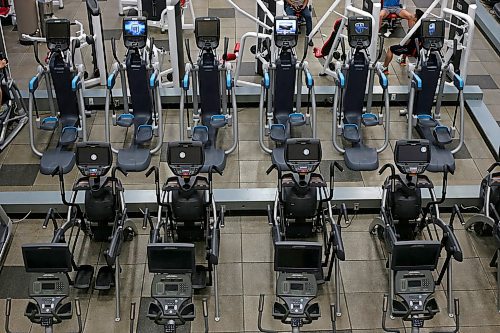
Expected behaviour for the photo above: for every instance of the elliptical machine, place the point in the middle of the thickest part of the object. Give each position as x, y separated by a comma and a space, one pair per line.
282, 77
302, 208
62, 76
412, 261
351, 80
212, 109
139, 74
13, 116
187, 214
49, 265
103, 217
431, 71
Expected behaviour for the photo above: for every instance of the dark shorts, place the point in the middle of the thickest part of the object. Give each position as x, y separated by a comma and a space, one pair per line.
393, 10
409, 50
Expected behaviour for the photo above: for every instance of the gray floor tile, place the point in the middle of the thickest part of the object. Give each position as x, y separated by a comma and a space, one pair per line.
221, 12
483, 81
18, 174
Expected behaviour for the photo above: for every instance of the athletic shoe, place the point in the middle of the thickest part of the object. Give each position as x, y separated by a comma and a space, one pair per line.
401, 61
386, 70
311, 43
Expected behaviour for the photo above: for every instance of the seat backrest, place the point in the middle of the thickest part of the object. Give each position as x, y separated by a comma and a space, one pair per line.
429, 72
354, 92
209, 86
284, 85
67, 102
140, 94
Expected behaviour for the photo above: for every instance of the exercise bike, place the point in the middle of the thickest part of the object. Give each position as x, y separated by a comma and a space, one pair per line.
102, 217
302, 206
187, 214
412, 258
49, 285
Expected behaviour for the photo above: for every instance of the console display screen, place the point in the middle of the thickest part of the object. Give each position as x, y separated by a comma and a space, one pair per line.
432, 29
307, 152
286, 27
48, 286
134, 28
185, 155
413, 153
58, 29
414, 284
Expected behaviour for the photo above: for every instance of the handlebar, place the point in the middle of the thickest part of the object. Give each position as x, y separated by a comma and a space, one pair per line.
226, 47
132, 317
113, 48
385, 306
259, 321
333, 317
188, 50
493, 166
205, 313
393, 174
151, 49
117, 168
457, 318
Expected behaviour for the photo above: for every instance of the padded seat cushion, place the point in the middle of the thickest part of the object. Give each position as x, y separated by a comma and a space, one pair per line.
214, 157
134, 159
361, 158
439, 158
278, 158
54, 158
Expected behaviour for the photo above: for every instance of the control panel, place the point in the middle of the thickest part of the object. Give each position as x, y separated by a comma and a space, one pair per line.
412, 156
172, 291
297, 290
48, 290
415, 287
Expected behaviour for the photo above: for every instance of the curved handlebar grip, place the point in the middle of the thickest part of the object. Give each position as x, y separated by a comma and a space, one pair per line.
213, 167
117, 168
385, 305
151, 49
47, 218
333, 311
457, 307
151, 170
132, 311
226, 47
78, 307
8, 306
205, 307
188, 50
385, 166
56, 171
261, 302
493, 166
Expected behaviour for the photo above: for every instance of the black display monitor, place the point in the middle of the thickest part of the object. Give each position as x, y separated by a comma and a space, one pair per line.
171, 258
207, 32
185, 157
286, 31
58, 34
297, 257
47, 258
415, 255
359, 32
412, 156
135, 32
94, 158
432, 32
303, 150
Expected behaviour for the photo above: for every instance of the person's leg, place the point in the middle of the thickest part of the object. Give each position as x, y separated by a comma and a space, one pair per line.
306, 13
289, 11
388, 57
383, 15
404, 14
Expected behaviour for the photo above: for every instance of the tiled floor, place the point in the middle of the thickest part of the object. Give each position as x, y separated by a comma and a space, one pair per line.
246, 269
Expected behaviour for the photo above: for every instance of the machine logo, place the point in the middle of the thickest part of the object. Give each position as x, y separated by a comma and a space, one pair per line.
93, 157
432, 28
306, 152
423, 149
182, 155
360, 27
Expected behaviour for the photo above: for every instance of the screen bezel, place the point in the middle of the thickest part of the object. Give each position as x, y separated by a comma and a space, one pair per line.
403, 144
170, 248
359, 40
95, 145
133, 41
60, 251
293, 143
401, 248
204, 41
296, 245
61, 42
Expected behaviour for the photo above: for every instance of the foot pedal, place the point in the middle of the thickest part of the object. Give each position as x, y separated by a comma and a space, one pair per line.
49, 124
426, 121
105, 278
351, 133
199, 279
369, 119
84, 274
442, 135
69, 135
218, 121
297, 119
125, 120
278, 133
144, 134
200, 133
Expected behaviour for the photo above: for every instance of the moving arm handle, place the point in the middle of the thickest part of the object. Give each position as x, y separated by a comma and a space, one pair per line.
157, 182
113, 48
493, 166
226, 47
75, 43
384, 315
261, 309
132, 317
334, 165
457, 318
205, 313
117, 168
188, 51
393, 175
35, 50
333, 317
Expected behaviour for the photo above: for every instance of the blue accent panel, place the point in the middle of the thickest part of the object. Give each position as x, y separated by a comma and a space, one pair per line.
205, 128
277, 125
368, 116
69, 128
442, 126
126, 115
229, 81
458, 82
185, 82
341, 80
33, 84
296, 115
267, 80
418, 81
144, 126
111, 81
75, 83
424, 116
309, 80
218, 116
152, 80
384, 82
351, 125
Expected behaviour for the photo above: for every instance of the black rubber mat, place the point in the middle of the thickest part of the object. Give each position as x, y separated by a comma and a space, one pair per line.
346, 176
112, 33
146, 325
18, 174
14, 281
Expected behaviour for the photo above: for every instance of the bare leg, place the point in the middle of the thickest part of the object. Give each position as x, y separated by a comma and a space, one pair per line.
383, 15
388, 58
404, 14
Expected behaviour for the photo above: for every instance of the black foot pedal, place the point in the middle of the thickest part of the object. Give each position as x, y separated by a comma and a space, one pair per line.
105, 278
84, 274
199, 279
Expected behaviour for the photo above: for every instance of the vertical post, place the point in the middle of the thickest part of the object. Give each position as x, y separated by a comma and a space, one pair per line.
175, 40
470, 36
117, 289
449, 286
